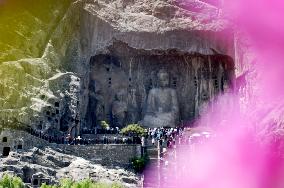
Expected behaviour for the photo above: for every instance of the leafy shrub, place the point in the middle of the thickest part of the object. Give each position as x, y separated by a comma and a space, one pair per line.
86, 183
133, 129
104, 125
139, 163
47, 186
66, 183
8, 181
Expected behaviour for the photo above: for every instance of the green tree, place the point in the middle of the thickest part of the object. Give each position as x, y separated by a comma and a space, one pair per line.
133, 129
104, 125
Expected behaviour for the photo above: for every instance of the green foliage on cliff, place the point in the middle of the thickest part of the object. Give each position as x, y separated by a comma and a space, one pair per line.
133, 129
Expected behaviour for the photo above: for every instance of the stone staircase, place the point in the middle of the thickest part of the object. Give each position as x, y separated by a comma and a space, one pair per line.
160, 178
157, 176
152, 152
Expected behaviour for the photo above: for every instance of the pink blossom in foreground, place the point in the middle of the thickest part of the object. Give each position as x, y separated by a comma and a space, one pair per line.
246, 153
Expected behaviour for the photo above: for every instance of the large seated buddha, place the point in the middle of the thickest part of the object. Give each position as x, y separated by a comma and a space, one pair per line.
162, 108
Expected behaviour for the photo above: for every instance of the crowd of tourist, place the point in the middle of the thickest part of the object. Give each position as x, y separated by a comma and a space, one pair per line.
164, 137
170, 137
47, 137
101, 131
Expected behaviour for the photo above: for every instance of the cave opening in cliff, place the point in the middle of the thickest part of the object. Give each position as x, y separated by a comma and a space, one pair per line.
6, 151
5, 139
20, 146
131, 73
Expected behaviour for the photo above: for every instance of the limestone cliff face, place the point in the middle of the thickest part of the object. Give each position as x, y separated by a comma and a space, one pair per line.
191, 26
45, 80
28, 61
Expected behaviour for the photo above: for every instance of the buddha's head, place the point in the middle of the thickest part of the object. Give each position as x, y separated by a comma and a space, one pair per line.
163, 78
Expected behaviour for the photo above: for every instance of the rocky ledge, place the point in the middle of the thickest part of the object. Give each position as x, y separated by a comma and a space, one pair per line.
55, 166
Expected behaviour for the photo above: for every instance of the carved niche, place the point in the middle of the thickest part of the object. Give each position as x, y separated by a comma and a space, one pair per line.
196, 79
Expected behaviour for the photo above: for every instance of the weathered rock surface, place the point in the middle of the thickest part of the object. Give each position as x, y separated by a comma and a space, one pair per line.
157, 16
55, 165
24, 69
57, 68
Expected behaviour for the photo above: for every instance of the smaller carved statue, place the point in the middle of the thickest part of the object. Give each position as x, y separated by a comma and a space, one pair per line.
100, 108
204, 96
96, 103
119, 109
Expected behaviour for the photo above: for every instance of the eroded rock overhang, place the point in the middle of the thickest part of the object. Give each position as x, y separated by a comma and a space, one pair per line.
199, 33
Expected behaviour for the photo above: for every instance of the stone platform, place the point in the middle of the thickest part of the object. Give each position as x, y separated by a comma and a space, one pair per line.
105, 154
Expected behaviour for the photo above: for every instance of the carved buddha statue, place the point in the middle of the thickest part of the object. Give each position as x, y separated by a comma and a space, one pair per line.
119, 109
162, 108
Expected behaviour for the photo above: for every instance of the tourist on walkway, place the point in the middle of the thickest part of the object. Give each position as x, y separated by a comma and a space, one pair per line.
153, 141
